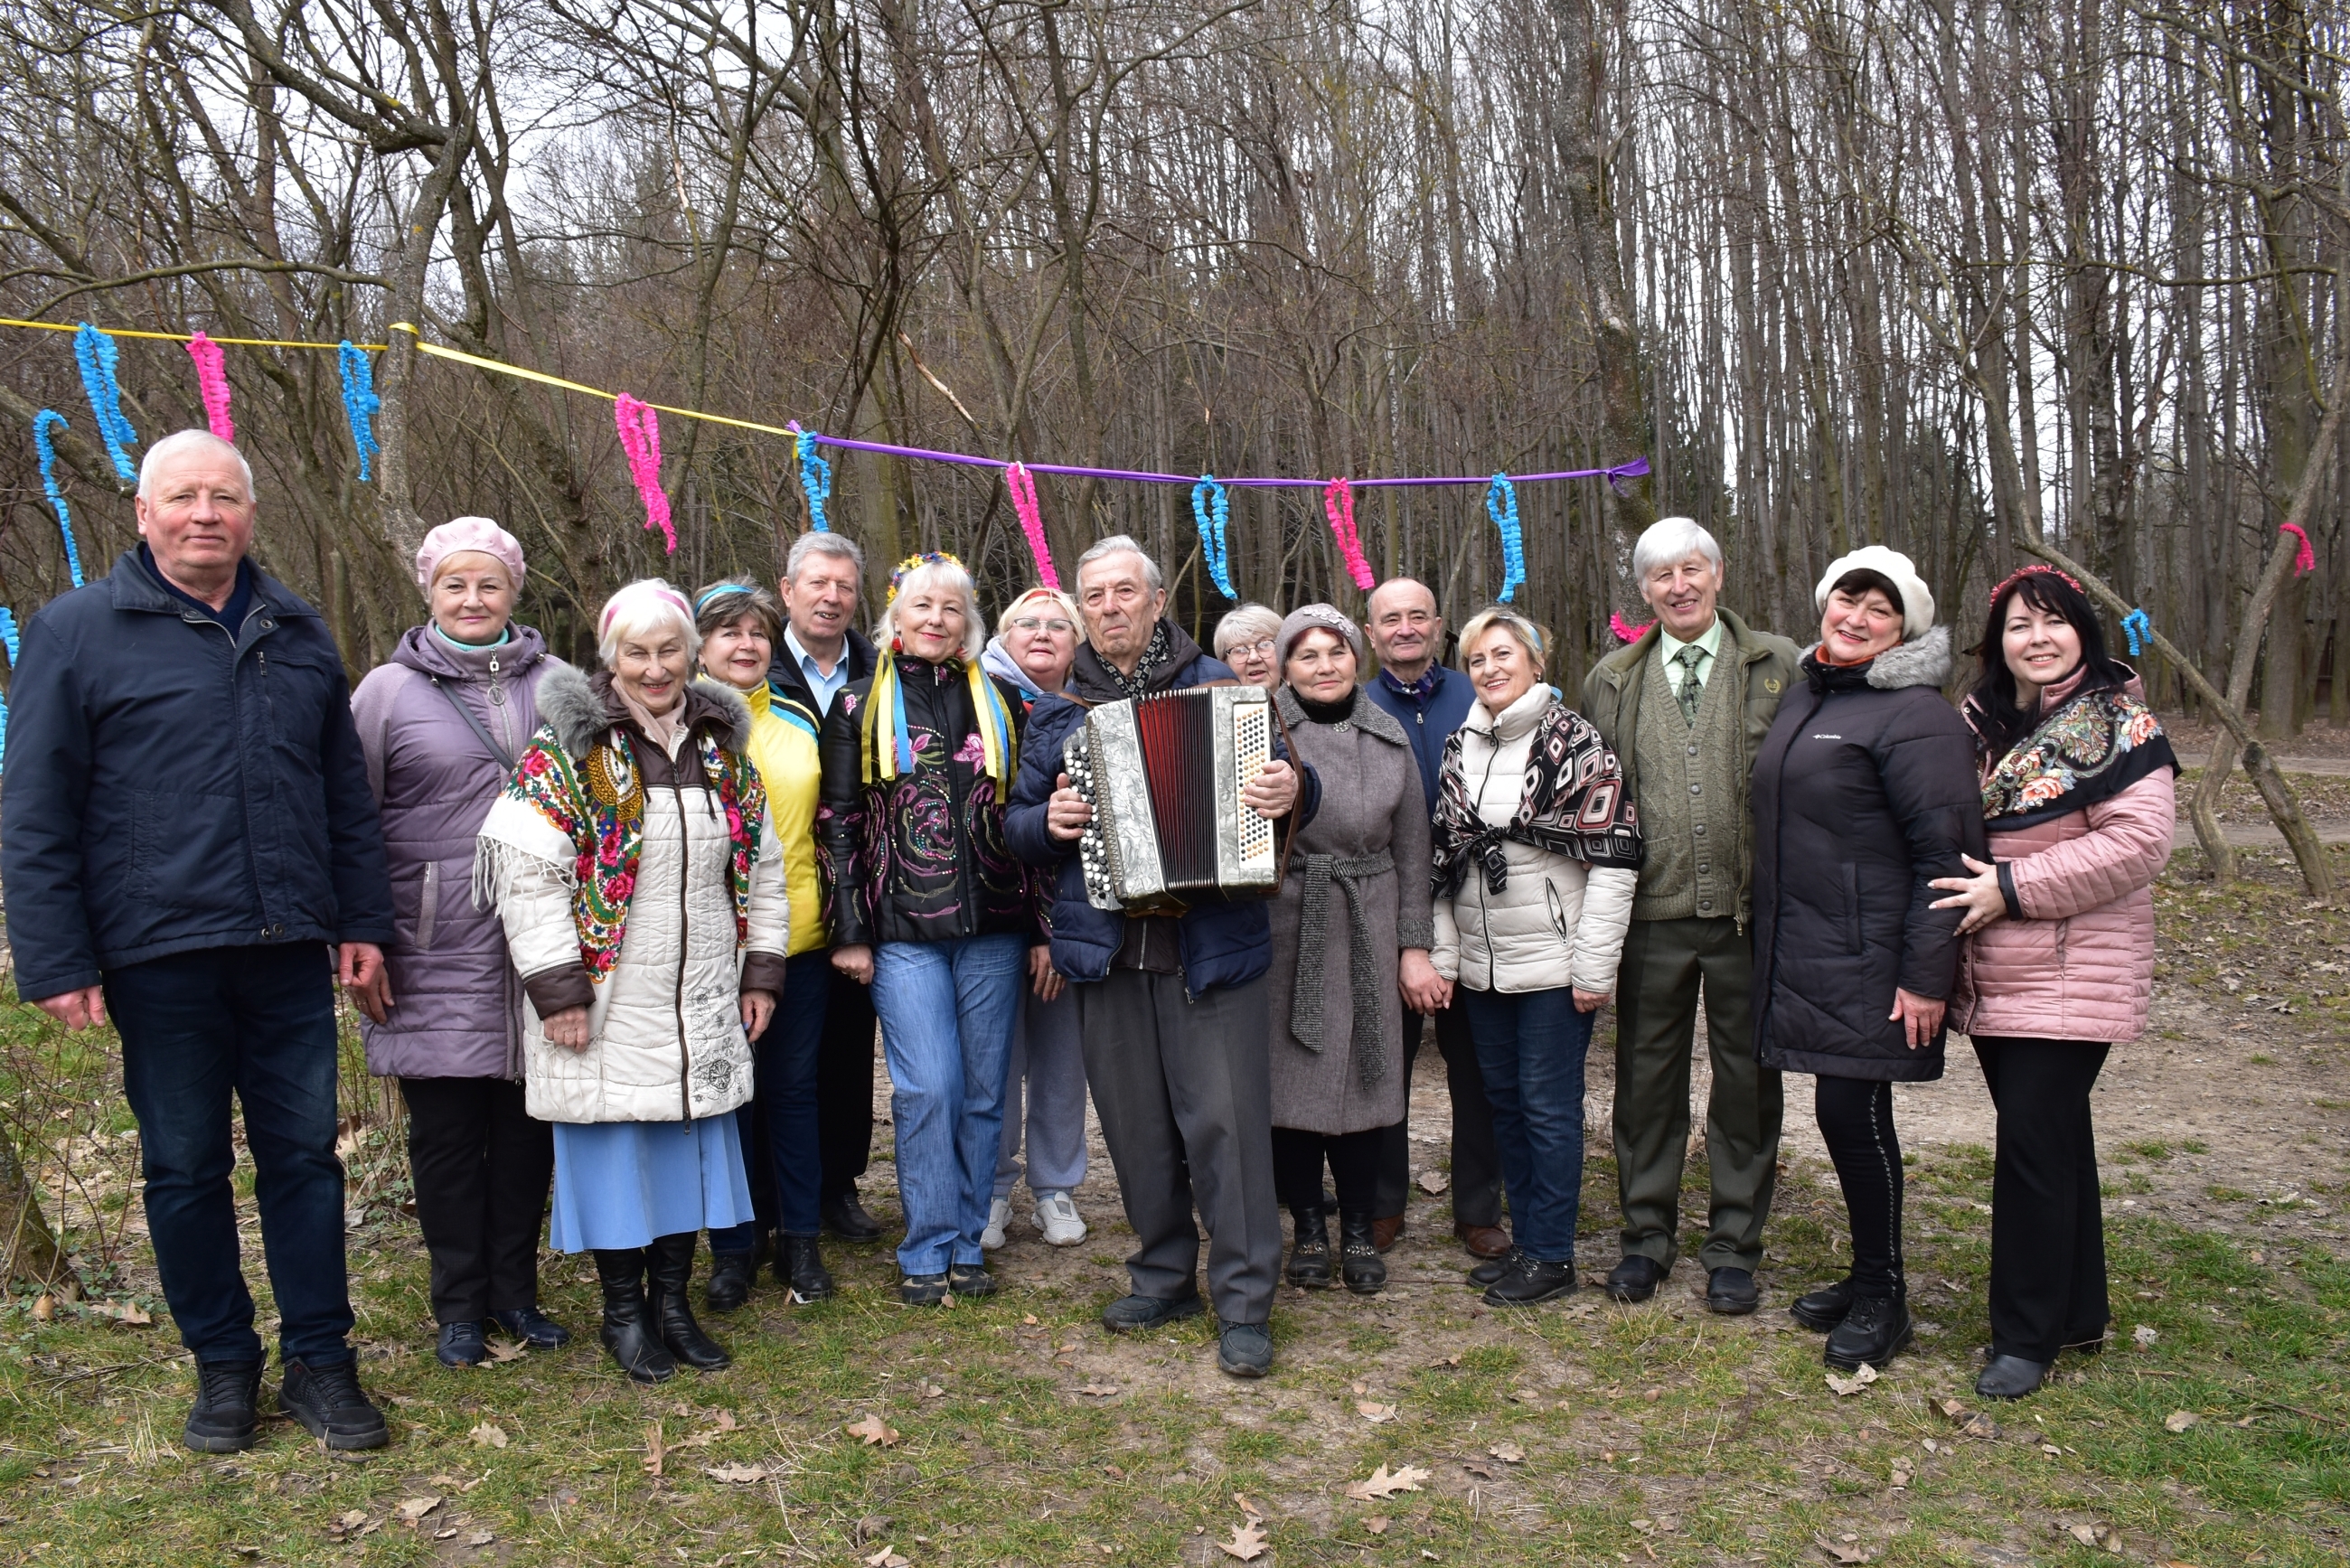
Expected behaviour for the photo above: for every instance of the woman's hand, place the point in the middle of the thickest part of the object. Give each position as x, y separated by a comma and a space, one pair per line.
567, 1028
758, 1010
1046, 979
1978, 895
1921, 1017
1424, 989
1590, 1000
855, 962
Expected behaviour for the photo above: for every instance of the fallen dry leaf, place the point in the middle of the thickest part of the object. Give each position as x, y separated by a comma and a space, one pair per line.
885, 1558
874, 1430
127, 1313
480, 1538
1371, 1410
2179, 1420
1645, 1526
45, 1308
1248, 1505
1377, 1524
490, 1435
1847, 1387
1028, 1319
445, 1482
930, 1390
415, 1508
504, 1350
1248, 1542
655, 1449
1384, 1484
2144, 1335
1842, 1551
1509, 1453
1433, 1182
1477, 1467
1097, 1390
1451, 1360
736, 1475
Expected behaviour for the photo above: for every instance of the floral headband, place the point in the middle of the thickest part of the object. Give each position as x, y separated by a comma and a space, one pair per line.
927, 558
2037, 569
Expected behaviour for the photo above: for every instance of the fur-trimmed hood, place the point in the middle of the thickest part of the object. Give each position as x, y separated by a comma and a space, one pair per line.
1368, 716
583, 709
1923, 661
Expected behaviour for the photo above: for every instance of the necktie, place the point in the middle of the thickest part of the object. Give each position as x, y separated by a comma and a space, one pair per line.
1691, 688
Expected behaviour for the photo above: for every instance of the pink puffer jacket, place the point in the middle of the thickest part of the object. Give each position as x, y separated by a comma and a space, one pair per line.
2080, 964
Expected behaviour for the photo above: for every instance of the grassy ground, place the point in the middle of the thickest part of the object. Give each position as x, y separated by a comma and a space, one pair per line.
2213, 1431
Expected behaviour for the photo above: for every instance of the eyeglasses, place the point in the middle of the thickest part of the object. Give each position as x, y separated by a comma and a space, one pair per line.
1262, 649
1057, 625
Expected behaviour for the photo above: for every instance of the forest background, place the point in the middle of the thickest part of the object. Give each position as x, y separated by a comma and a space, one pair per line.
1946, 274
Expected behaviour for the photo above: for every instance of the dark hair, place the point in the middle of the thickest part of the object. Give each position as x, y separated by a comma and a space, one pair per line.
1860, 580
1999, 723
723, 602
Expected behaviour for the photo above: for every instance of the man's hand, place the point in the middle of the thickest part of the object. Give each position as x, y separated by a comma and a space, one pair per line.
1042, 975
1066, 813
76, 1009
758, 1008
366, 977
855, 962
1272, 792
1921, 1017
567, 1028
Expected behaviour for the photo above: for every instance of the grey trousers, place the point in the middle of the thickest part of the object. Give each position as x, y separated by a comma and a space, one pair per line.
1185, 1096
1656, 1027
1045, 1097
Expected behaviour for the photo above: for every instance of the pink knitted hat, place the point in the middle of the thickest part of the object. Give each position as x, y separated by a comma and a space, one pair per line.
460, 533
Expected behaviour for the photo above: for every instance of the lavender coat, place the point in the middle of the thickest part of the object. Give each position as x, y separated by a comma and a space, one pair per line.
456, 1004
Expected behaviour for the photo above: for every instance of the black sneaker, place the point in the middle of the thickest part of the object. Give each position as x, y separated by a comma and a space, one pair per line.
1870, 1334
1528, 1281
1243, 1349
226, 1418
328, 1402
1131, 1314
844, 1214
1491, 1269
529, 1325
460, 1345
971, 1279
923, 1290
1823, 1309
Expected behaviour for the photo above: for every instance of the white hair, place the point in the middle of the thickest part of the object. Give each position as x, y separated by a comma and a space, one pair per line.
1124, 544
1245, 623
178, 441
640, 610
1671, 539
949, 574
824, 542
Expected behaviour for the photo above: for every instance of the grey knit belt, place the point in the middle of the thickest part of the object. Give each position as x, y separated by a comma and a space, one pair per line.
1362, 964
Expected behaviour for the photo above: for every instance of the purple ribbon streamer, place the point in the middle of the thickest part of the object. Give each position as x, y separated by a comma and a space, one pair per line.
1635, 469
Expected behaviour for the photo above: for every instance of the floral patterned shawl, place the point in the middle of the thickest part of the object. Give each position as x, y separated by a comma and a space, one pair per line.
2094, 745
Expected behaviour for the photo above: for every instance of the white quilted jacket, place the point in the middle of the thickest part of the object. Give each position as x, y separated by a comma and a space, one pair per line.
1557, 921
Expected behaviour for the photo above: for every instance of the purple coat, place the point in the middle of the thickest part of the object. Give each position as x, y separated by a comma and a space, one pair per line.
456, 1004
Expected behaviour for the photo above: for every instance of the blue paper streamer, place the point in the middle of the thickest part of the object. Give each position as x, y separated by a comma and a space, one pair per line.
48, 453
360, 404
2139, 630
815, 483
8, 634
1501, 506
94, 351
1212, 511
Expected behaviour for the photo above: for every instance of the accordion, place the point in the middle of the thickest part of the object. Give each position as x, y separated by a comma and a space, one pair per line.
1164, 775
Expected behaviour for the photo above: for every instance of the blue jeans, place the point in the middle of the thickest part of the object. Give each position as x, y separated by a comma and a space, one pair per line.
946, 1011
1530, 1048
778, 1126
257, 1022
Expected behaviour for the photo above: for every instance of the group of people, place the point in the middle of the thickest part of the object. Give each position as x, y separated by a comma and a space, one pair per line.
623, 938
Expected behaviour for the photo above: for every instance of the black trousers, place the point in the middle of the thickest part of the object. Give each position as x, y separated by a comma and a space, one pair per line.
1354, 1158
481, 1168
844, 1085
2047, 1225
1855, 1117
1476, 1161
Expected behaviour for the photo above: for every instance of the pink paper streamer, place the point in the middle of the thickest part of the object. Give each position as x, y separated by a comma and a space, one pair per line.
2305, 561
1624, 630
640, 439
1338, 506
212, 385
1024, 501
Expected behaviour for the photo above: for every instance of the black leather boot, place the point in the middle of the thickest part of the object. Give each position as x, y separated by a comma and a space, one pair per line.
628, 1319
1824, 1308
1309, 1250
1360, 1264
1871, 1333
799, 1266
673, 1271
730, 1279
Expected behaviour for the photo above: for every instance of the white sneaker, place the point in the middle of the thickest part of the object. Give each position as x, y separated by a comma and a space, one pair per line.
1057, 1216
999, 1215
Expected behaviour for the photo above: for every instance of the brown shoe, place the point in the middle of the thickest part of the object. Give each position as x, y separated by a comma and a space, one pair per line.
1385, 1230
1484, 1241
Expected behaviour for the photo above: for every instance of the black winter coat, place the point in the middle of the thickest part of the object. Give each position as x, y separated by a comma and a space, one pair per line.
173, 786
921, 857
1864, 793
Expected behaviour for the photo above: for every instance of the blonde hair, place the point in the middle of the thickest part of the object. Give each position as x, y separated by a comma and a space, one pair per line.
1055, 598
1250, 622
1529, 637
929, 574
640, 609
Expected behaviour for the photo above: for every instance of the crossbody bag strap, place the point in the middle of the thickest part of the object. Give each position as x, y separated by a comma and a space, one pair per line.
505, 757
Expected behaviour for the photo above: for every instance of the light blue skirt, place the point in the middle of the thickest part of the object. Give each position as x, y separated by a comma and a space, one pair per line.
620, 1184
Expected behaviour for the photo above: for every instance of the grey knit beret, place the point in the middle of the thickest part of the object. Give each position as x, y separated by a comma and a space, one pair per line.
1305, 619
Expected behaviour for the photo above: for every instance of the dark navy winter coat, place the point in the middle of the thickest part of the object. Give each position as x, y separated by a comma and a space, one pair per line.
169, 787
1224, 942
1428, 727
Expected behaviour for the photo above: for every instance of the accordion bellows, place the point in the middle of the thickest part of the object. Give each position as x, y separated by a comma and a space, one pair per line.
1164, 775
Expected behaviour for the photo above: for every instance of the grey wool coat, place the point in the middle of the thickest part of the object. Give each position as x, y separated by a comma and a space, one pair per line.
1372, 806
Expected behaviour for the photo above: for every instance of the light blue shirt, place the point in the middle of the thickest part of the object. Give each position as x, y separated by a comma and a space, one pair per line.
822, 687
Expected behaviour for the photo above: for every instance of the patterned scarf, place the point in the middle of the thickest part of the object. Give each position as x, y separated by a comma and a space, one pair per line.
1155, 653
1574, 805
2093, 747
598, 803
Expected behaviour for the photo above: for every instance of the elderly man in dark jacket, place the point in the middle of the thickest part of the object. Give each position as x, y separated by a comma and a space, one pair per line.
190, 845
1172, 1007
